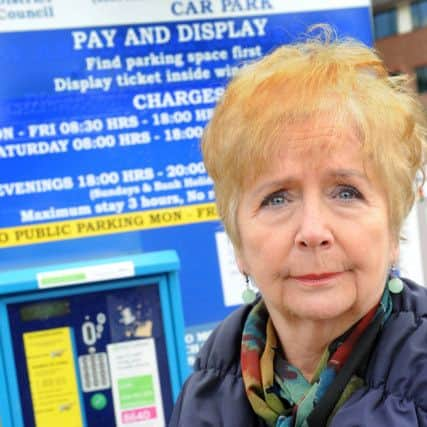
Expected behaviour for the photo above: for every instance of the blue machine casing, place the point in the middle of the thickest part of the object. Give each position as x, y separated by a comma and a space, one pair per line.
145, 296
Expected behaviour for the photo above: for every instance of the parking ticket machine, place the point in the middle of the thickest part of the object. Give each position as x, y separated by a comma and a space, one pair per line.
92, 344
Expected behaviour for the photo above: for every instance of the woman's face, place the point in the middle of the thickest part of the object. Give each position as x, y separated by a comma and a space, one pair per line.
314, 228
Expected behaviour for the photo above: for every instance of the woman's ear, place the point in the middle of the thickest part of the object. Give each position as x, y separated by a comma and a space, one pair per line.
395, 253
240, 262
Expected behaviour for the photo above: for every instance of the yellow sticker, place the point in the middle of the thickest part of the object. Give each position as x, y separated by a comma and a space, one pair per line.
53, 381
109, 224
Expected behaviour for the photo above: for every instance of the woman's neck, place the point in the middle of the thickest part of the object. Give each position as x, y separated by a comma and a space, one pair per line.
304, 341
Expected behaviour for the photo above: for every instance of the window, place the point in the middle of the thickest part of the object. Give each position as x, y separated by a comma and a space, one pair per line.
419, 13
385, 23
421, 73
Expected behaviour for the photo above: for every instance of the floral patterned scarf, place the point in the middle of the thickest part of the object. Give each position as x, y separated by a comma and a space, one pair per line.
279, 393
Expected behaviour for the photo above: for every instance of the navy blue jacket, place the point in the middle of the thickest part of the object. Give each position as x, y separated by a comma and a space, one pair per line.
395, 391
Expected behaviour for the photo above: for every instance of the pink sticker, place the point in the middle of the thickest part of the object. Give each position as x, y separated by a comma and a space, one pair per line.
141, 414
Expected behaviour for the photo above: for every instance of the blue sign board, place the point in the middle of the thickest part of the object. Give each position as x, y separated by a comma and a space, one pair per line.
102, 107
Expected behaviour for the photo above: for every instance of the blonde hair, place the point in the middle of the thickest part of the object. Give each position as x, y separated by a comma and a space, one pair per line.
343, 79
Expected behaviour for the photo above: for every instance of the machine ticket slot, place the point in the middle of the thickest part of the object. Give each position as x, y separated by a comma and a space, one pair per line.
52, 375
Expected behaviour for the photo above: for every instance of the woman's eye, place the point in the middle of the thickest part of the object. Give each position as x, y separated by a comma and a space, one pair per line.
275, 199
347, 192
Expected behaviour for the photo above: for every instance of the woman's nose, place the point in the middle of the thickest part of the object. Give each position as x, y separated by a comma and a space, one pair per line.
314, 229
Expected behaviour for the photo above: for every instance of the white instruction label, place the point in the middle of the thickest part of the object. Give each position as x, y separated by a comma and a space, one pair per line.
136, 384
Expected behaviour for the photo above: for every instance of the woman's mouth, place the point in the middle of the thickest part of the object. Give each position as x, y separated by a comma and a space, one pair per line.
314, 279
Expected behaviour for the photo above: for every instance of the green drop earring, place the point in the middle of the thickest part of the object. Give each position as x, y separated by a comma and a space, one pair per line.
395, 283
248, 295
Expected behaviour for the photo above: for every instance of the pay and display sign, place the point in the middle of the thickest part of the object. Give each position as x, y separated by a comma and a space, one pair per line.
102, 107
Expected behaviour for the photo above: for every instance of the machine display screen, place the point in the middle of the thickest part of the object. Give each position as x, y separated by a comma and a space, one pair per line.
44, 310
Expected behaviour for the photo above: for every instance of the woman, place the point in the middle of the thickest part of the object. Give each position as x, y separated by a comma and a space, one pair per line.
314, 152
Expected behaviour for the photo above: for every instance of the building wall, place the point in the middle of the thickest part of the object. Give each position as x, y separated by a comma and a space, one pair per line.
407, 50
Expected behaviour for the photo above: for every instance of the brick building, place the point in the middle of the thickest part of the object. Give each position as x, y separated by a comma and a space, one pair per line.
401, 38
